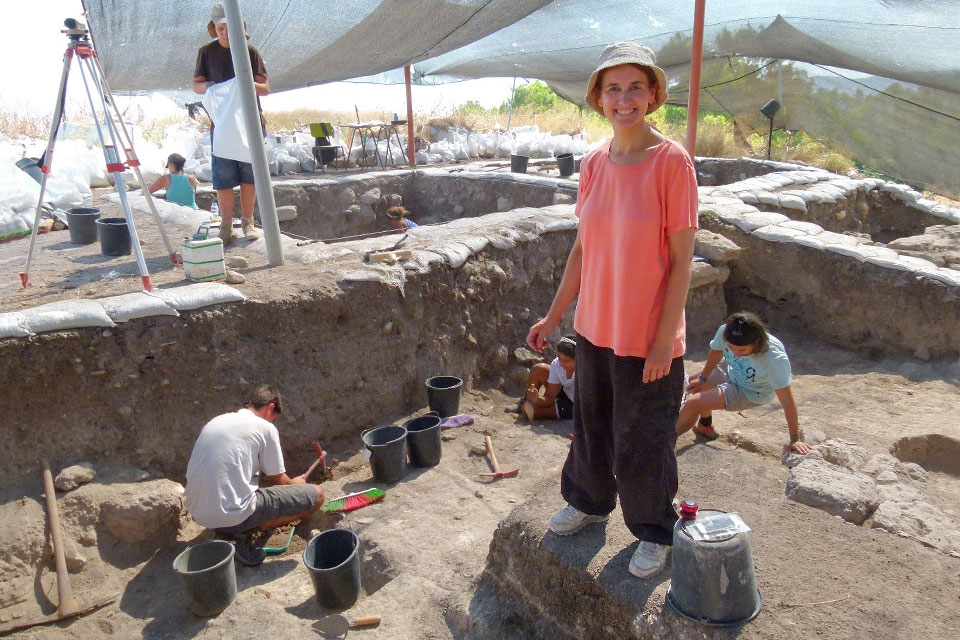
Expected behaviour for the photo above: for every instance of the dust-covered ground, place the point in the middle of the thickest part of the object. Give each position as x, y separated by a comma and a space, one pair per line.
425, 546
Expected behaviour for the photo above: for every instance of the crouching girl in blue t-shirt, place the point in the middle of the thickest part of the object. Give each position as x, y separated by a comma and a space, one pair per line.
755, 368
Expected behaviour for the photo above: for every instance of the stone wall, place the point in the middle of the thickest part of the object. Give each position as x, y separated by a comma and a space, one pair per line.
348, 352
835, 287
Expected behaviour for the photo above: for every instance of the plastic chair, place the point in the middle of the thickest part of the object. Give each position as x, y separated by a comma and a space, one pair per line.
324, 149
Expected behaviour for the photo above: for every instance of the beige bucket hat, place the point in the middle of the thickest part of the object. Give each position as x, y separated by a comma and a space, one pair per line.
620, 53
217, 15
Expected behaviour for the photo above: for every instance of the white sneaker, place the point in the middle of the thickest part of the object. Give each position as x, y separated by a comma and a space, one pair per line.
570, 520
649, 559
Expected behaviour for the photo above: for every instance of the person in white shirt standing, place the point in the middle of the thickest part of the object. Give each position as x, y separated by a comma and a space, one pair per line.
557, 381
223, 491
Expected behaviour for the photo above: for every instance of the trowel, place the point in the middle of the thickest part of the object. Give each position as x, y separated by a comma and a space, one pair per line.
337, 625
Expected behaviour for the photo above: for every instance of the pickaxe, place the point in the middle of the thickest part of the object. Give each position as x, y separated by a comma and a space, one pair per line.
497, 473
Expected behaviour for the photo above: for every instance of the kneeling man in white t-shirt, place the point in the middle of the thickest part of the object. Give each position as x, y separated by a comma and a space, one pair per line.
223, 491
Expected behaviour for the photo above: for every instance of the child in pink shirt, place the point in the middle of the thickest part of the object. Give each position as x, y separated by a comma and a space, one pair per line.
630, 267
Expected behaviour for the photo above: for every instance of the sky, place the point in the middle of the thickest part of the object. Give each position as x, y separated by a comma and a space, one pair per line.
31, 88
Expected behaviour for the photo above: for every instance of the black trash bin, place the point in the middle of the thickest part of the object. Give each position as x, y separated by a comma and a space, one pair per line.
333, 560
208, 576
82, 223
114, 237
518, 163
388, 452
443, 393
423, 440
565, 165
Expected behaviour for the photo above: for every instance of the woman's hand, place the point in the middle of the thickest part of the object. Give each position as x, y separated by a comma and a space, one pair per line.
658, 361
801, 447
537, 337
695, 384
532, 393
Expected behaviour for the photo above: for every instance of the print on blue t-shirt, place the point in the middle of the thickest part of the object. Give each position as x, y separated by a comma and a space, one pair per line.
758, 376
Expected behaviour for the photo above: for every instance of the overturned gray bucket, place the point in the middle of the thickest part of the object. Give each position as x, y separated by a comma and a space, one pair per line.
208, 577
713, 582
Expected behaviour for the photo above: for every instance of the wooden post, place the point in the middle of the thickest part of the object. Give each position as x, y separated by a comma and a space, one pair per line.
696, 56
411, 153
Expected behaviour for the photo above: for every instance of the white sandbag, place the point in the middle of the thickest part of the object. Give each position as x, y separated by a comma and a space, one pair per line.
204, 172
11, 222
288, 164
201, 294
13, 325
308, 165
67, 314
422, 157
142, 304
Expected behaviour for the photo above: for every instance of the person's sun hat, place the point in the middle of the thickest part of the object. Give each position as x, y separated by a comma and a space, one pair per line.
620, 53
395, 213
217, 15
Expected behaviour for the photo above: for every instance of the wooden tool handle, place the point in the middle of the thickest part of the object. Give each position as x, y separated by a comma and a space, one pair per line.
311, 468
67, 605
366, 621
493, 456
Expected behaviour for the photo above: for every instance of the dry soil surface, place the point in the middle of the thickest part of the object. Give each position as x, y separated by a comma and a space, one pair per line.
425, 546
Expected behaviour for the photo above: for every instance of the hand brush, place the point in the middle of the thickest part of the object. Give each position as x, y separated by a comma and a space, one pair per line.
355, 501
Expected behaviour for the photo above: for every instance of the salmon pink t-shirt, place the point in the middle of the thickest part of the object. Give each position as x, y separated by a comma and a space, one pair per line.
626, 215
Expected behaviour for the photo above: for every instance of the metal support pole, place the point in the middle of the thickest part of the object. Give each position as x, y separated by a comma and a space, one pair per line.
696, 56
251, 119
770, 139
513, 91
48, 158
411, 151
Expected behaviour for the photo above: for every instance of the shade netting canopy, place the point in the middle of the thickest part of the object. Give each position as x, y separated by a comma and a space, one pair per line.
878, 80
149, 46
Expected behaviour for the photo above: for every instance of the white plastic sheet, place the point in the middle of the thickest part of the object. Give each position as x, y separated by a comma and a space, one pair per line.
222, 102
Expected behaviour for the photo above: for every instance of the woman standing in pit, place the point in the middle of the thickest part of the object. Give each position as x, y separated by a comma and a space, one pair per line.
630, 267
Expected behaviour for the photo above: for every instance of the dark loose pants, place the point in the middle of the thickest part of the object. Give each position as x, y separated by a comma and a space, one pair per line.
625, 432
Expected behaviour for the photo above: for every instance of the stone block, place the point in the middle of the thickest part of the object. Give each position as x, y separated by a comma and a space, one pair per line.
838, 491
73, 476
714, 247
148, 511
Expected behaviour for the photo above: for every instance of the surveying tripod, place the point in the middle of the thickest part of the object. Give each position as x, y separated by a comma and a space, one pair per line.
116, 132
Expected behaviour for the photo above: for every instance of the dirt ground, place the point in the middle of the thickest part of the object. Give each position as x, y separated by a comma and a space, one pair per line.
62, 270
425, 546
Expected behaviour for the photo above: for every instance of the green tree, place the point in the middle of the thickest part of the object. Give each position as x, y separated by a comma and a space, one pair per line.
537, 95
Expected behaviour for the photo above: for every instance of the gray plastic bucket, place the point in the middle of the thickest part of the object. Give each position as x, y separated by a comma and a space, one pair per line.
518, 164
31, 166
565, 164
82, 222
713, 582
333, 560
114, 237
388, 452
443, 394
423, 440
208, 577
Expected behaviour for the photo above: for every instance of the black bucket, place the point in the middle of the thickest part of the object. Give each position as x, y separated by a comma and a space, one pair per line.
565, 164
423, 440
114, 237
518, 164
443, 394
333, 560
82, 222
31, 166
207, 573
388, 452
713, 582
